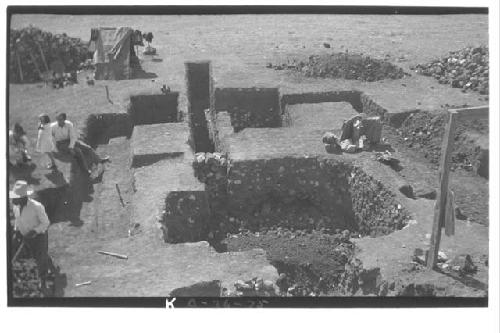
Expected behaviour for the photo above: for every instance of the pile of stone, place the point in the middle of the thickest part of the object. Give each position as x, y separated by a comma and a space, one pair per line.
424, 131
256, 287
211, 169
25, 279
33, 51
461, 264
66, 79
210, 166
467, 69
349, 66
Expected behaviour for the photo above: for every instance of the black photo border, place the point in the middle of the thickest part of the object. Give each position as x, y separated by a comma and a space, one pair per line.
243, 302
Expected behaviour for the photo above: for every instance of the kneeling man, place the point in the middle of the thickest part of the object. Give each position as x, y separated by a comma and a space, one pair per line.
66, 140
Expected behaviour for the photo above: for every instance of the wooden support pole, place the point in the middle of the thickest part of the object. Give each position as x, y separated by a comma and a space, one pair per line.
43, 56
34, 63
19, 65
442, 192
107, 95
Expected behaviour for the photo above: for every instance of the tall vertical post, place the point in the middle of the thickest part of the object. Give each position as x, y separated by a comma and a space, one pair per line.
200, 97
442, 192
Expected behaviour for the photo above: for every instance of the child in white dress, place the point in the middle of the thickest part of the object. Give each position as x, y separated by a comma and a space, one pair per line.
44, 144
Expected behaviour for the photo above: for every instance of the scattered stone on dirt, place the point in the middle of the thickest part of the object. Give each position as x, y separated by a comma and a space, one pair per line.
387, 159
424, 131
26, 282
466, 69
349, 66
256, 287
463, 263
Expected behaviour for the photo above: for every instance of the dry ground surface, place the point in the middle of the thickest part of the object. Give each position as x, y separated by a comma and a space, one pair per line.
239, 48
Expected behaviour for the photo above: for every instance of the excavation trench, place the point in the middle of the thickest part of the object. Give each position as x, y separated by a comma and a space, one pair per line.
302, 210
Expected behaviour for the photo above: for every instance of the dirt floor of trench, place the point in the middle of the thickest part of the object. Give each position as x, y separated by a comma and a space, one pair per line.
309, 263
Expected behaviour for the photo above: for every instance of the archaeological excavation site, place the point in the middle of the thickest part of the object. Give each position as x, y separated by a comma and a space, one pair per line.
315, 176
244, 181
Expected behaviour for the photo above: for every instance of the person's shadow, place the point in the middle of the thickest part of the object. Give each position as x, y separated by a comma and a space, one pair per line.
65, 201
24, 172
142, 74
465, 279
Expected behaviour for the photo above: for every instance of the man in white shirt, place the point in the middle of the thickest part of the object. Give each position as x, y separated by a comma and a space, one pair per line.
66, 140
32, 222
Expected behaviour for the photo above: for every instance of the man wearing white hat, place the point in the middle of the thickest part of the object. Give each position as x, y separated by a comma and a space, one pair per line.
32, 222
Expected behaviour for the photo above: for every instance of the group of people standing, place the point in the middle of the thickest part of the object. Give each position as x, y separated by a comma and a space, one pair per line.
59, 136
30, 219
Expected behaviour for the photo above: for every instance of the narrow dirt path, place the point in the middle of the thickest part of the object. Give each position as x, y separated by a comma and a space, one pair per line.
96, 217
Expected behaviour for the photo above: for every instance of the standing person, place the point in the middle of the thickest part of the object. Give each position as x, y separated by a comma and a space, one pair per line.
44, 143
32, 222
66, 140
18, 145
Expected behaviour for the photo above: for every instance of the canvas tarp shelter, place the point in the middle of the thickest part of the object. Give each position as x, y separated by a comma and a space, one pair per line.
114, 53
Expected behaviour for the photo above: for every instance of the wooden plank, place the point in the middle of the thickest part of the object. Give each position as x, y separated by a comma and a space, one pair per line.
442, 193
449, 224
472, 113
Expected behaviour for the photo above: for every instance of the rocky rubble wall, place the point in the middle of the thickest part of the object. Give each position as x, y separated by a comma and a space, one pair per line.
375, 211
213, 132
292, 192
219, 126
154, 108
211, 169
250, 107
185, 217
302, 193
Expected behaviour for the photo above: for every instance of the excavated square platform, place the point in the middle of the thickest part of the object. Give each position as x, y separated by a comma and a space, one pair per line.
154, 183
326, 116
265, 143
151, 143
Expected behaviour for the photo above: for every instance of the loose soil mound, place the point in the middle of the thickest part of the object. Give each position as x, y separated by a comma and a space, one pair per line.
310, 264
467, 69
347, 66
424, 131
